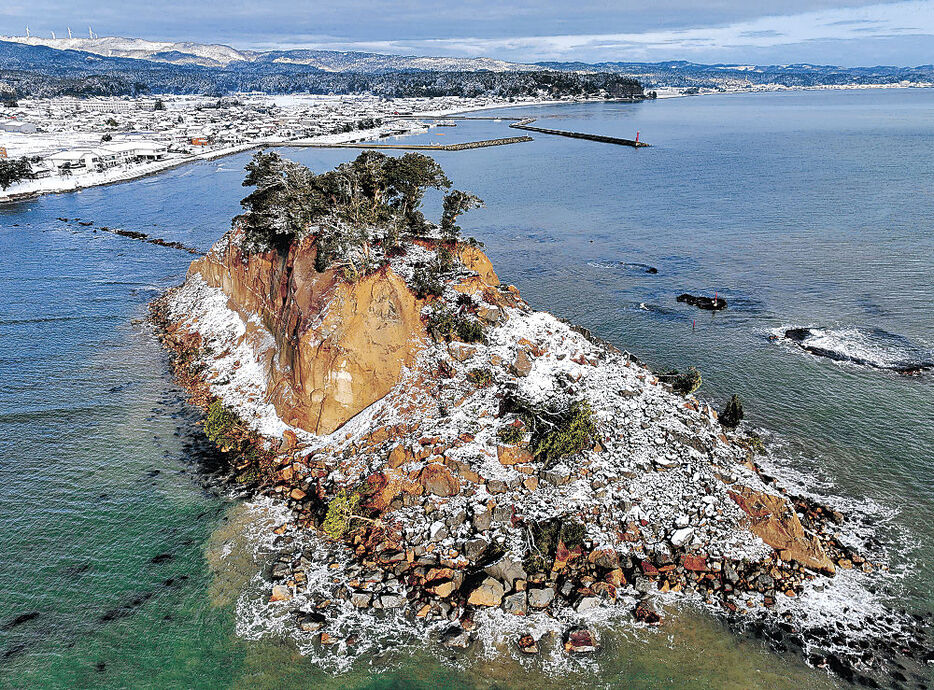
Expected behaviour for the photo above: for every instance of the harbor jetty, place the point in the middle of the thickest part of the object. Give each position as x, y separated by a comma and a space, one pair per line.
526, 125
416, 147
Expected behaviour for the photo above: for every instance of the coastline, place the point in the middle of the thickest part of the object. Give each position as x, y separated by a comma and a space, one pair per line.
33, 189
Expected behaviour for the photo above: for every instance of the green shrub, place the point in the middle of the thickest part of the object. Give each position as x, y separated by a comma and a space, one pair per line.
753, 443
732, 414
445, 260
469, 330
341, 510
426, 283
511, 435
682, 383
221, 424
441, 323
480, 377
573, 433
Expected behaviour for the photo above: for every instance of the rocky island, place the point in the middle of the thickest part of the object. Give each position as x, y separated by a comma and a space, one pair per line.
470, 466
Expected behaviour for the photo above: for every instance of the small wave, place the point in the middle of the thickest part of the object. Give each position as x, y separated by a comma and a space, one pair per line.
868, 347
626, 265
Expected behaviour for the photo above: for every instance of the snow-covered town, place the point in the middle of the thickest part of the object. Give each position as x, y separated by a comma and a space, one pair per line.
73, 143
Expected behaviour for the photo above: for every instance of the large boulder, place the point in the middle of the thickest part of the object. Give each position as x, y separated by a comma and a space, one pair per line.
487, 593
775, 522
437, 479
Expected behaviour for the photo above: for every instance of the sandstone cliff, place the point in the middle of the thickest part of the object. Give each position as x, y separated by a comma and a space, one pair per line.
339, 345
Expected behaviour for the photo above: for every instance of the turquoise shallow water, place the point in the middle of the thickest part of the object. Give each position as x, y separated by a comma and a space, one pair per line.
801, 209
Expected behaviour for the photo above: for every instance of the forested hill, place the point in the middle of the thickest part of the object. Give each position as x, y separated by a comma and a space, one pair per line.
680, 73
40, 71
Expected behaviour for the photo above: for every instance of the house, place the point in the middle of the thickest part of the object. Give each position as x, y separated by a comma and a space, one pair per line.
150, 150
17, 126
76, 159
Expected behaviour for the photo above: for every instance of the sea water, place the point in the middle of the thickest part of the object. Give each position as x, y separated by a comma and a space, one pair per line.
801, 209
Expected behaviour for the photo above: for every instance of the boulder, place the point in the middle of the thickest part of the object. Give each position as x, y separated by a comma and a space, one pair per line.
774, 520
541, 597
646, 614
527, 644
580, 641
438, 480
709, 303
443, 589
488, 593
604, 558
397, 457
437, 532
310, 621
516, 604
280, 593
391, 601
461, 351
587, 604
482, 518
475, 548
491, 315
522, 364
682, 536
513, 455
456, 638
383, 487
558, 475
508, 569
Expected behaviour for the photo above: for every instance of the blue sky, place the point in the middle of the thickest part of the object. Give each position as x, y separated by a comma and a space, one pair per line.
846, 32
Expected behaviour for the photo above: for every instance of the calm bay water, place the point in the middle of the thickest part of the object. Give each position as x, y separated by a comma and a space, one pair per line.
801, 209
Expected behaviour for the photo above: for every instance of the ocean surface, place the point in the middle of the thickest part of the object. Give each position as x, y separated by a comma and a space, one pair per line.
120, 566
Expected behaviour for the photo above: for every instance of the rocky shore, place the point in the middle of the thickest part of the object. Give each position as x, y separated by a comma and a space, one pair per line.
459, 461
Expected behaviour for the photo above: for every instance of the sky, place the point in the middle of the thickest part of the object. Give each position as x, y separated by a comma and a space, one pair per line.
842, 32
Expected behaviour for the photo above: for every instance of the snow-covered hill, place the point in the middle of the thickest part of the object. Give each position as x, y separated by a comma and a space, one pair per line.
214, 55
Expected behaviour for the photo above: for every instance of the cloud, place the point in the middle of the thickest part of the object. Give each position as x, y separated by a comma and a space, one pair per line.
883, 21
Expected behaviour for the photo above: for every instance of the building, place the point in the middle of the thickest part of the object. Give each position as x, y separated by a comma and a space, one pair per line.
17, 127
82, 160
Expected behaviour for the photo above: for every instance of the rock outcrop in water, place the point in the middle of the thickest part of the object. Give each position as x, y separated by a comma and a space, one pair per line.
460, 457
702, 302
872, 348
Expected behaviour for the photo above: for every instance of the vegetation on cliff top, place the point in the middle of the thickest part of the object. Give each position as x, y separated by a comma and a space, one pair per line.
371, 202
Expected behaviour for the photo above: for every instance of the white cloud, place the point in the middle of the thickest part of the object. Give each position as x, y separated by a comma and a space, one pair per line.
884, 21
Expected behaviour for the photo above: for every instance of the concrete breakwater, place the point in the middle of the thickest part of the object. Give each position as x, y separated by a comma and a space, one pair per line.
420, 147
526, 125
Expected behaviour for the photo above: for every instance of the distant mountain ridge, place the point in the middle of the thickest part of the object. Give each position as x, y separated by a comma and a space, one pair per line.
215, 55
132, 66
669, 73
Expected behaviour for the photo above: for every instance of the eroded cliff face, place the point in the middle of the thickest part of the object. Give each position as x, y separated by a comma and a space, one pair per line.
339, 346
